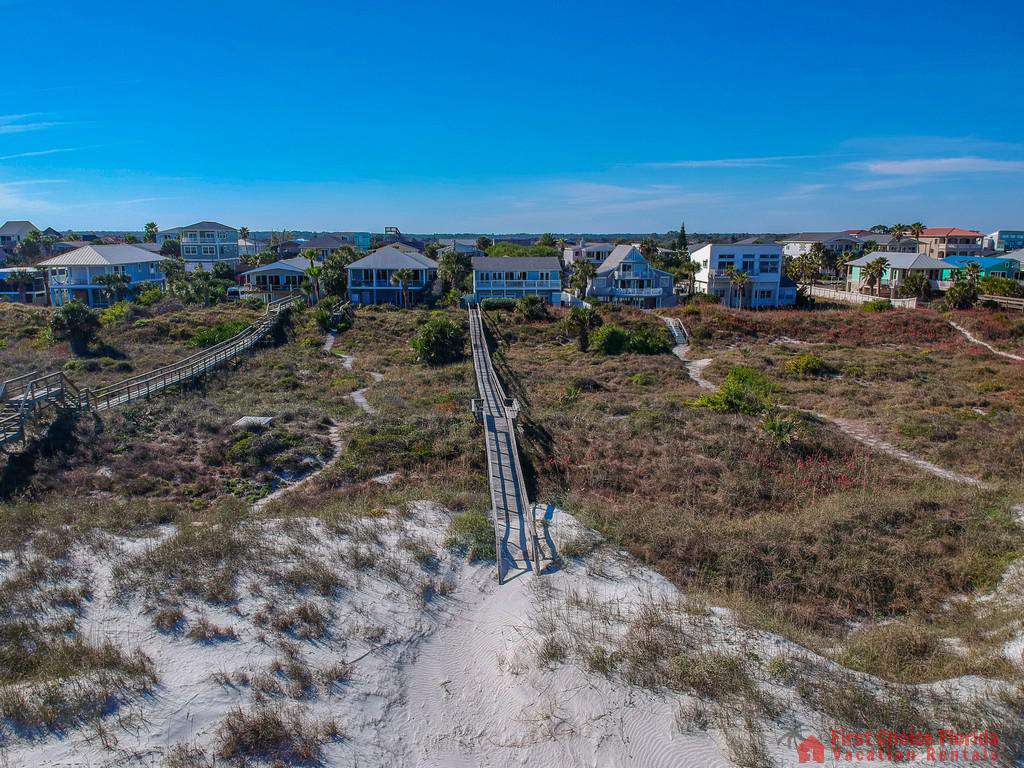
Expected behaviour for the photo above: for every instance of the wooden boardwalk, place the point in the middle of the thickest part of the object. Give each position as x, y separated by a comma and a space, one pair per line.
22, 398
514, 521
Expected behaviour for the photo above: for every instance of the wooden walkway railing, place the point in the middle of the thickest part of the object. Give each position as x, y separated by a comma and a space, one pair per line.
22, 398
1010, 302
515, 524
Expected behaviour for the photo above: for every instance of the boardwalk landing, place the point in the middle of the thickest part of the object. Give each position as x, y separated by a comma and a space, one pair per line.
513, 513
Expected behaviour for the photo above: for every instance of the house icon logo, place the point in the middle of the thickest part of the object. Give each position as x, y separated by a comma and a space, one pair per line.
811, 750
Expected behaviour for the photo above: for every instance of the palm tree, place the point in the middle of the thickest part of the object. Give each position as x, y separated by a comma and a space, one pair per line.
973, 273
402, 278
150, 232
916, 230
579, 322
314, 273
690, 268
22, 279
873, 272
739, 281
115, 284
897, 231
582, 274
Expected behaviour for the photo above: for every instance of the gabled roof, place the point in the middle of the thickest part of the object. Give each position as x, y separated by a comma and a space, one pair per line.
517, 263
902, 260
325, 241
816, 237
390, 257
465, 241
296, 264
207, 226
18, 228
102, 255
755, 241
403, 247
617, 256
949, 232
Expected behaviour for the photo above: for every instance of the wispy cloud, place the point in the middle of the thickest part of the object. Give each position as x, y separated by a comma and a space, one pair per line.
939, 165
129, 201
732, 162
27, 121
39, 153
597, 198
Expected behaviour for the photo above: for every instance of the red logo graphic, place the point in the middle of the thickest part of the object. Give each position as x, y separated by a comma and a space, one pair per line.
811, 750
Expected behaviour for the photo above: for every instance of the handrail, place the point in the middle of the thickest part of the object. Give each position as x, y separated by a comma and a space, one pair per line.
510, 411
34, 388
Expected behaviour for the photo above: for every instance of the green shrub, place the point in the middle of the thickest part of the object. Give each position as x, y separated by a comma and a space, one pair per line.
999, 286
610, 340
215, 334
531, 308
780, 428
76, 323
745, 390
147, 297
702, 298
440, 340
473, 532
116, 313
649, 340
876, 305
806, 365
498, 304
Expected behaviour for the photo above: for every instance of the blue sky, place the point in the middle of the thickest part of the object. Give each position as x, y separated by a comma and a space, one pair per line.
524, 116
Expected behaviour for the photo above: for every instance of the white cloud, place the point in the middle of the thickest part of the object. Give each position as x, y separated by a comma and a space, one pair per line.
939, 165
731, 162
38, 153
22, 123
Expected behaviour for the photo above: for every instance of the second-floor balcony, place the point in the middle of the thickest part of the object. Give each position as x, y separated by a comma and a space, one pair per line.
621, 291
361, 283
497, 285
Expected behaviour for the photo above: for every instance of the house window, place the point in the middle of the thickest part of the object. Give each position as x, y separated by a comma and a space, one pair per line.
209, 250
770, 267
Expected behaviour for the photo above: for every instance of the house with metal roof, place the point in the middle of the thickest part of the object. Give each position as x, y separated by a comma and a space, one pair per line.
376, 278
626, 277
513, 277
72, 275
283, 276
204, 244
898, 266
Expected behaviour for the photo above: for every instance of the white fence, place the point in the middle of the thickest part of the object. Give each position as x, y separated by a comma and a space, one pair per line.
856, 298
